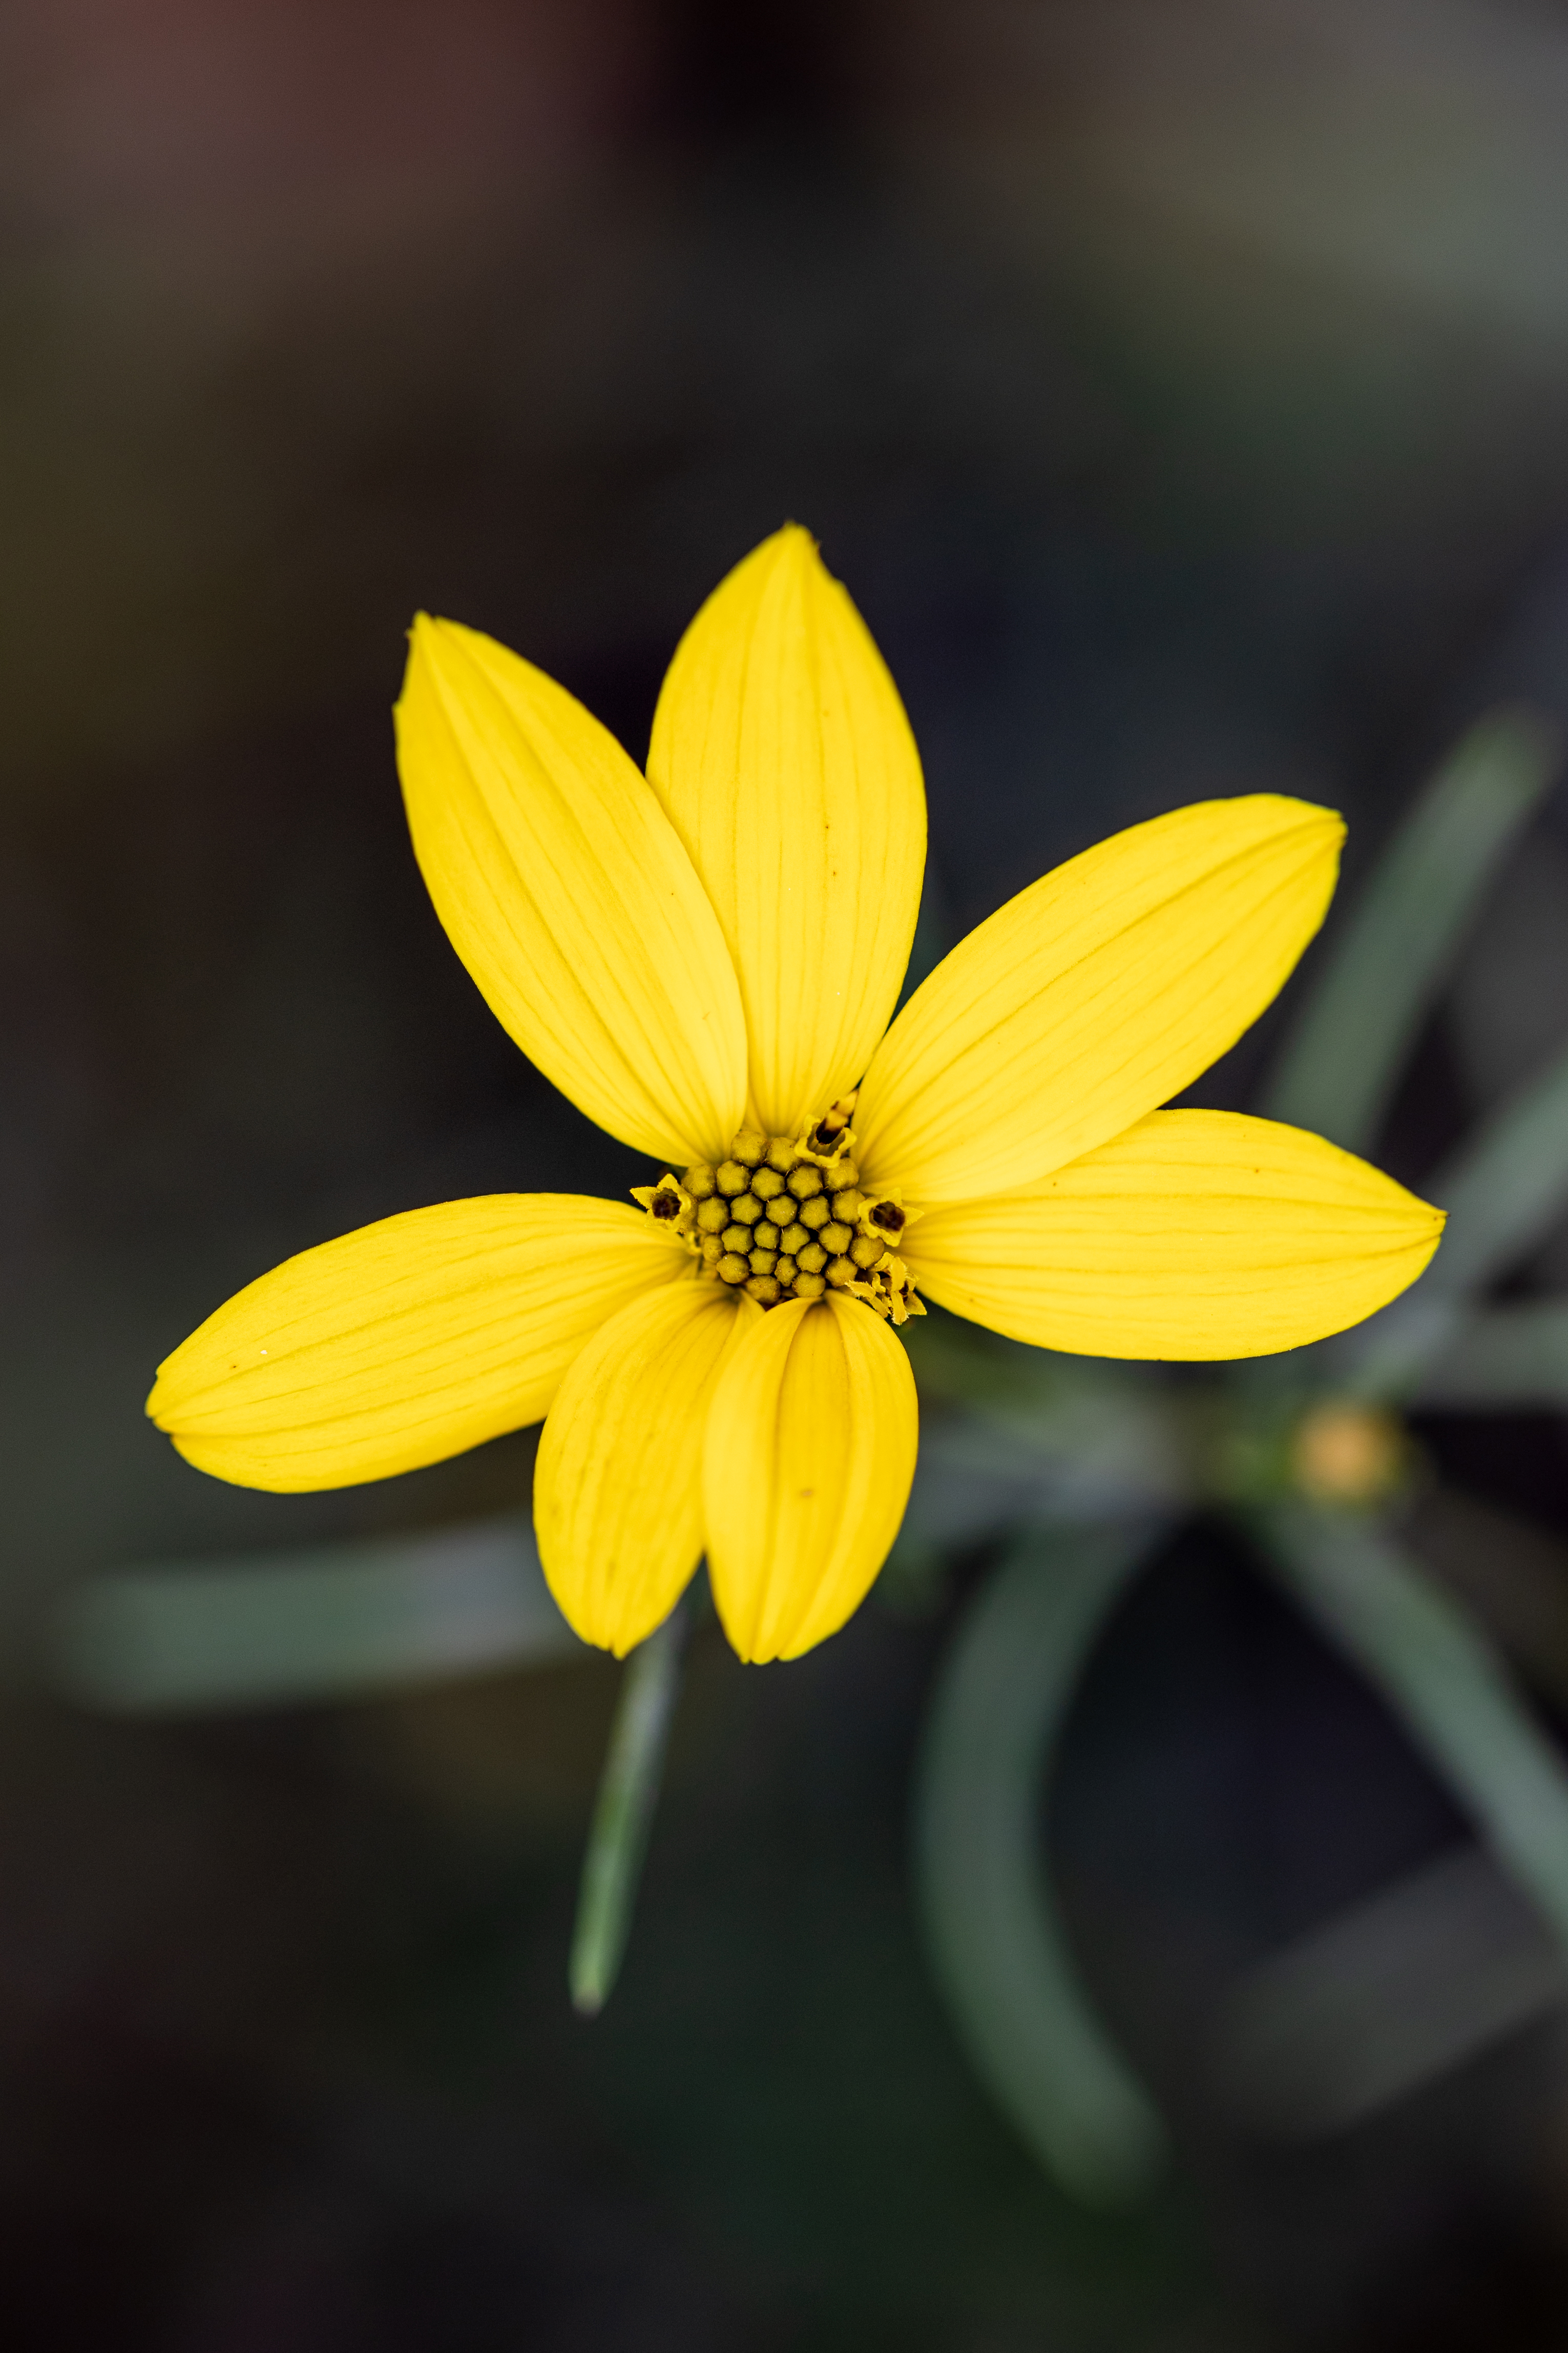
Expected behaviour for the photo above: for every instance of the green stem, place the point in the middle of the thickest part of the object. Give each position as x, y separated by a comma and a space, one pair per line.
623, 1812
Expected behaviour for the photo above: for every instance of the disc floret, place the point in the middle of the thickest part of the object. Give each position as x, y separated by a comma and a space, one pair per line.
782, 1217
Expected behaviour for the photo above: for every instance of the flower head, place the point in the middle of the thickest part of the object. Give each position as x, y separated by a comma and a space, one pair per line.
707, 961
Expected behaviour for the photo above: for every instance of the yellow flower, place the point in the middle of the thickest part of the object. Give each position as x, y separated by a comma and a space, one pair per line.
706, 961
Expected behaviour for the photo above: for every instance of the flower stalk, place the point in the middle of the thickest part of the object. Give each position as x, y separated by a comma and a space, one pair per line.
623, 1812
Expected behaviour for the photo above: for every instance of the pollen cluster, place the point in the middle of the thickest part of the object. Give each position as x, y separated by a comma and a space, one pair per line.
780, 1218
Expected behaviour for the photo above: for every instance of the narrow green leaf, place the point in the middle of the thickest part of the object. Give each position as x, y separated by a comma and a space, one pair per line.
623, 1814
1506, 1186
1504, 1189
1102, 1453
1343, 1060
996, 1938
269, 1630
1375, 2003
1448, 1684
1507, 1356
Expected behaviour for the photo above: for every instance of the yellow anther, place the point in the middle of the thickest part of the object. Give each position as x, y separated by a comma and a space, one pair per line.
812, 1256
731, 1178
809, 1286
765, 1289
667, 1203
733, 1268
887, 1218
865, 1250
826, 1136
746, 1210
712, 1216
767, 1183
835, 1236
698, 1180
749, 1148
794, 1238
815, 1212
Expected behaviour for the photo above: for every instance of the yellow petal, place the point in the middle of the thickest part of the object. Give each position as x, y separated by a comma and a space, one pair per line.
1100, 991
807, 1470
563, 889
783, 754
1195, 1234
617, 1490
406, 1342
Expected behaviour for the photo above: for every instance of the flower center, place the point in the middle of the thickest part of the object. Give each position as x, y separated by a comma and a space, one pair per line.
788, 1219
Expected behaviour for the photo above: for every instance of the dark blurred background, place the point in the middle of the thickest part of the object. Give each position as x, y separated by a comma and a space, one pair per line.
1180, 386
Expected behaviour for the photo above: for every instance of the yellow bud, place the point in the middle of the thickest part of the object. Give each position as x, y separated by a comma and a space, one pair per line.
815, 1212
698, 1180
713, 1217
749, 1148
731, 1178
804, 1181
763, 1288
842, 1271
747, 1209
766, 1235
811, 1257
794, 1238
864, 1250
835, 1236
1345, 1454
733, 1268
809, 1286
767, 1183
782, 1154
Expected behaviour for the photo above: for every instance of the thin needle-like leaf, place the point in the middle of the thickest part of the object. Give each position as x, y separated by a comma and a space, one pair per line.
277, 1629
996, 1938
1505, 1356
1444, 1681
1384, 1999
1341, 1064
623, 1813
1504, 1187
